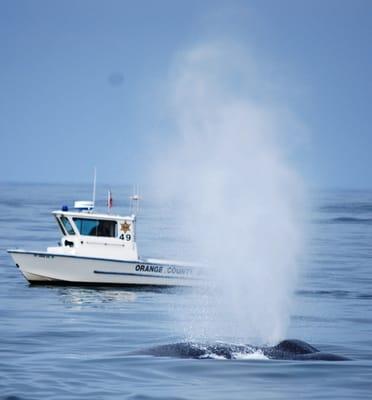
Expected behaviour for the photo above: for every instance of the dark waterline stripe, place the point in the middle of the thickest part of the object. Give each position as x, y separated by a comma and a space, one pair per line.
143, 276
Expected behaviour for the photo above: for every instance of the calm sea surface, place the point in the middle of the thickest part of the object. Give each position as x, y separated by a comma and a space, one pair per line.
73, 342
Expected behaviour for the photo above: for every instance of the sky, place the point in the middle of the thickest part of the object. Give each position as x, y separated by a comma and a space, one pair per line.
83, 83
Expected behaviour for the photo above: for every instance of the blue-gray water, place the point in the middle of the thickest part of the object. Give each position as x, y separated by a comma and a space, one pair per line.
73, 343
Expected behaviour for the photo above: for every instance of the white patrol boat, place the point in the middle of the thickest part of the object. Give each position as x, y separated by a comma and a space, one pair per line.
99, 249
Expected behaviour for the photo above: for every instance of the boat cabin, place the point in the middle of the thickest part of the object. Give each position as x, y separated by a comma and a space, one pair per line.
85, 233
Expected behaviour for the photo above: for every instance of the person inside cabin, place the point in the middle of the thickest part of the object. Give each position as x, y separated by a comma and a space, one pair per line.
103, 228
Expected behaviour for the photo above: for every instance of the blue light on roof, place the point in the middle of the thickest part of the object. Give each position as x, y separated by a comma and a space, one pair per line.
64, 208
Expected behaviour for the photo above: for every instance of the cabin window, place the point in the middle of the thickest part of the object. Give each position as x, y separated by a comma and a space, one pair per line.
61, 226
94, 227
68, 227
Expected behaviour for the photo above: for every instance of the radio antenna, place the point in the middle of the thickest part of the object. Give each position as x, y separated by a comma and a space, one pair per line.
94, 186
134, 200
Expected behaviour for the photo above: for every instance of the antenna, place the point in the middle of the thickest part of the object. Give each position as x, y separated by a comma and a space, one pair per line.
94, 186
134, 200
109, 201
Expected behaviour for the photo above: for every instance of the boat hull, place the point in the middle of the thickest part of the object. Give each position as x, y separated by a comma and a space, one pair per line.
44, 267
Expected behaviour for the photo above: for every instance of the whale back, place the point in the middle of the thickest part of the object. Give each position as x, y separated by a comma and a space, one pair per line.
180, 350
196, 350
295, 346
290, 349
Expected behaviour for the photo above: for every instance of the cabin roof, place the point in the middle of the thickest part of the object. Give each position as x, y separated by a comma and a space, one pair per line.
92, 215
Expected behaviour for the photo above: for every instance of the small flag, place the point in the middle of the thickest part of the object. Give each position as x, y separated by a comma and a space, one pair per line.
109, 200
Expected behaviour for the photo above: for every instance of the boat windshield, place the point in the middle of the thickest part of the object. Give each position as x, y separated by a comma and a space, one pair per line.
61, 226
95, 227
68, 227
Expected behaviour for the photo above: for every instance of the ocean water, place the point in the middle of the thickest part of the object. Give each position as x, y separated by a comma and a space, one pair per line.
70, 342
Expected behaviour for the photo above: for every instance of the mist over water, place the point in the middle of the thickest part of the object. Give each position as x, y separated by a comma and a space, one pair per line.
239, 200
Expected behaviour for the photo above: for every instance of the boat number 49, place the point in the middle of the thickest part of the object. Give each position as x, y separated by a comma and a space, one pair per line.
126, 237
